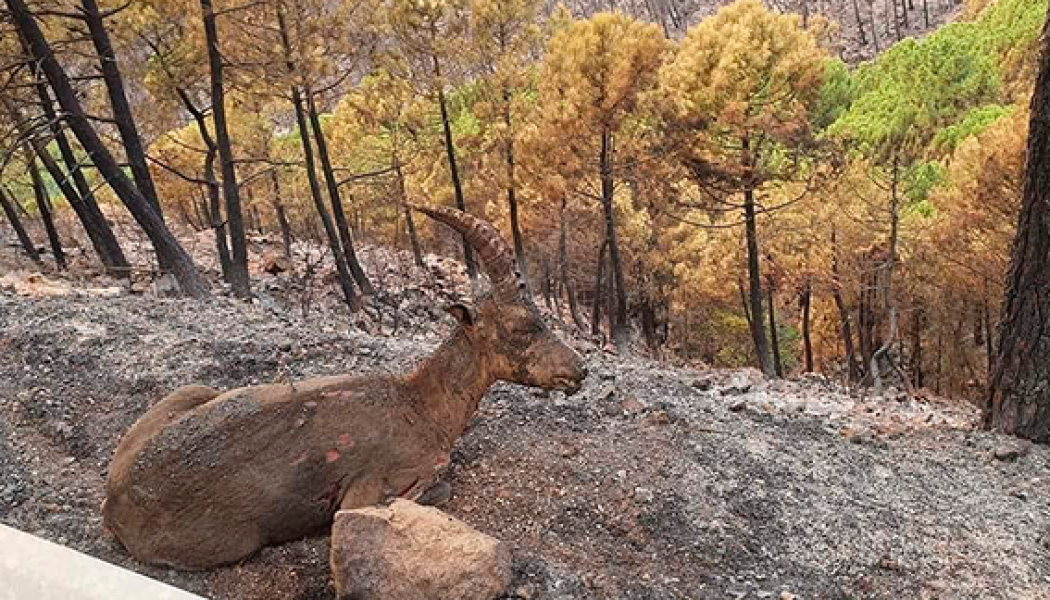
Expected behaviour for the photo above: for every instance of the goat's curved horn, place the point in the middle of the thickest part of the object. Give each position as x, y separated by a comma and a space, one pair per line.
486, 240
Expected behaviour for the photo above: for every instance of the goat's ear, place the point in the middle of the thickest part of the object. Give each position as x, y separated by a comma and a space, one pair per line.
463, 313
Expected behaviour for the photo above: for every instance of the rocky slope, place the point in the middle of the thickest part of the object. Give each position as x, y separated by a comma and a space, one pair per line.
652, 483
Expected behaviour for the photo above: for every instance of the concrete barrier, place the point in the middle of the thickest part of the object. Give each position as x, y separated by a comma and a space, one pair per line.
35, 569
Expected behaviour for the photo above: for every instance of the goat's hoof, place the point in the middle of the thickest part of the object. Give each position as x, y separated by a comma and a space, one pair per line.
436, 495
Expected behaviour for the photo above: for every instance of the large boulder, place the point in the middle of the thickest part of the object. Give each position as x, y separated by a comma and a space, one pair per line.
405, 551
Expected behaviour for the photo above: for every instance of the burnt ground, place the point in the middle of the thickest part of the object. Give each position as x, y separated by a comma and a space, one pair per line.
654, 482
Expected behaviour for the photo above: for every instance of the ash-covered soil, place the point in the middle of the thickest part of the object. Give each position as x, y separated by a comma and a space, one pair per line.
652, 483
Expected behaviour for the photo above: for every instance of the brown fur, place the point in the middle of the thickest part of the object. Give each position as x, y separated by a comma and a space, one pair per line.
203, 478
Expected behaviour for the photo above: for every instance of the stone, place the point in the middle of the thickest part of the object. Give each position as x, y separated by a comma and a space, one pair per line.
275, 264
405, 551
1009, 452
704, 385
644, 495
631, 405
785, 595
738, 406
166, 286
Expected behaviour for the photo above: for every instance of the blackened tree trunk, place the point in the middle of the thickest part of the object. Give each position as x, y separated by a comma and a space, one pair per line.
214, 210
453, 166
238, 269
989, 342
168, 250
754, 275
563, 267
618, 319
12, 215
807, 340
345, 236
282, 215
43, 204
118, 100
610, 302
596, 307
342, 272
744, 302
1019, 399
512, 197
874, 25
80, 197
410, 224
545, 285
860, 22
915, 366
888, 266
774, 337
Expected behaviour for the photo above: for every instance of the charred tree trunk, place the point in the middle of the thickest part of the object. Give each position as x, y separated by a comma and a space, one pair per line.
610, 302
218, 225
563, 268
16, 224
282, 214
80, 196
807, 341
599, 285
168, 250
345, 237
853, 369
453, 166
916, 347
989, 341
512, 198
860, 22
342, 272
43, 204
874, 25
410, 224
619, 317
744, 303
118, 101
237, 274
545, 286
1018, 402
888, 266
774, 337
758, 333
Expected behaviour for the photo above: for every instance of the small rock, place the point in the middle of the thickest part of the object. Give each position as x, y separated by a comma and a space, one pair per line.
659, 417
166, 286
763, 594
738, 406
736, 390
785, 595
275, 264
569, 451
631, 405
407, 551
643, 494
1009, 451
889, 564
704, 385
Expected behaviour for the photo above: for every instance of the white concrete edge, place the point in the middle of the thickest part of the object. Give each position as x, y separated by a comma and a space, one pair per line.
35, 569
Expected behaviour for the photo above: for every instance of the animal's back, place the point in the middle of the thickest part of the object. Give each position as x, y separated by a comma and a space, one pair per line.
277, 457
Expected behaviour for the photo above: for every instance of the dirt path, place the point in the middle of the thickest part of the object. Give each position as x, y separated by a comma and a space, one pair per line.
652, 483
